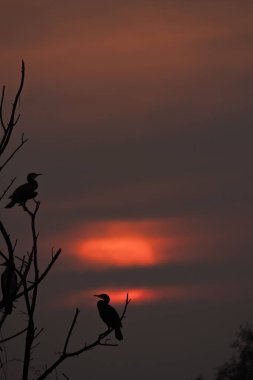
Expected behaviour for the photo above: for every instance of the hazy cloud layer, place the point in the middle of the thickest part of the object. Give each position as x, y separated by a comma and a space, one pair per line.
139, 116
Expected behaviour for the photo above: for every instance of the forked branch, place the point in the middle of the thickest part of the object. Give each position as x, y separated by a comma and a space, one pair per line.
98, 342
8, 128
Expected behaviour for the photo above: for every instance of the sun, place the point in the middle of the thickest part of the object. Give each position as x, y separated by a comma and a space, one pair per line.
117, 251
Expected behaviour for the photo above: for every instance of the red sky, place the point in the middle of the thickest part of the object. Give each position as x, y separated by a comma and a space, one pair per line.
139, 116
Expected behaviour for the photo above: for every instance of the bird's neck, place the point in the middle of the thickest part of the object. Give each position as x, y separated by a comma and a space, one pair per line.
103, 302
33, 183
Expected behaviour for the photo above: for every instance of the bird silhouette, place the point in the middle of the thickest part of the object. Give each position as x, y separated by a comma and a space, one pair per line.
9, 285
109, 315
24, 192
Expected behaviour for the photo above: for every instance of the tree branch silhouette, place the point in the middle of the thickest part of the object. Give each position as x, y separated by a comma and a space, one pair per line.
13, 120
98, 342
7, 188
26, 268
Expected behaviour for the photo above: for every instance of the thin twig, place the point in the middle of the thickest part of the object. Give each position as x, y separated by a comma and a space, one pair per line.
98, 342
30, 335
43, 275
1, 109
11, 124
70, 331
38, 333
23, 141
7, 241
13, 336
7, 188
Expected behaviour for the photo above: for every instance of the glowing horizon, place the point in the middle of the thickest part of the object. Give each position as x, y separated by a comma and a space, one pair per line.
138, 295
107, 244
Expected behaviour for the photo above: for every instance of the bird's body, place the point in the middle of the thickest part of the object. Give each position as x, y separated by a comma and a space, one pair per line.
109, 315
24, 192
9, 285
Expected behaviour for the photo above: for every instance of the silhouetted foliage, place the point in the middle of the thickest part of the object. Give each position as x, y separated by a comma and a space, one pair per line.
240, 365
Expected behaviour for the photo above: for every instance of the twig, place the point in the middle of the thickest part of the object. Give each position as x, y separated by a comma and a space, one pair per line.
30, 335
7, 241
38, 333
12, 122
43, 275
7, 188
23, 141
3, 256
13, 336
98, 342
1, 109
70, 331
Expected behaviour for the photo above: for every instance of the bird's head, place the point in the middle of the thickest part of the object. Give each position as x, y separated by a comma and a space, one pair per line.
32, 176
103, 296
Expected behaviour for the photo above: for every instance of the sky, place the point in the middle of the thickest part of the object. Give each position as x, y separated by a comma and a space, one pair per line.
139, 115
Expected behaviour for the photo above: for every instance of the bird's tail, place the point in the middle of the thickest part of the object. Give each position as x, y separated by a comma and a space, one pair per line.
11, 204
118, 334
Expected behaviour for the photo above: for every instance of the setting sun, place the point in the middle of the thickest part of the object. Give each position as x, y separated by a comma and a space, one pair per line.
118, 251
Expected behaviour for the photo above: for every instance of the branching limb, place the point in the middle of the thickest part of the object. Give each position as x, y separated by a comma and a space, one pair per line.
23, 141
70, 331
1, 109
43, 275
98, 342
13, 120
13, 336
30, 335
7, 188
7, 242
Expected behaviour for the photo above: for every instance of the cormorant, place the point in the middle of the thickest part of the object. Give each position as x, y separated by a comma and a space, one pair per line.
9, 285
109, 315
24, 192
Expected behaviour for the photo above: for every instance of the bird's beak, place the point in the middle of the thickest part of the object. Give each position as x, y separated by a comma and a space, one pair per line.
38, 174
96, 295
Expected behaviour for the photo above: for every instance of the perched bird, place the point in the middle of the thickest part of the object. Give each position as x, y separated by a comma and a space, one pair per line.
9, 285
109, 315
24, 192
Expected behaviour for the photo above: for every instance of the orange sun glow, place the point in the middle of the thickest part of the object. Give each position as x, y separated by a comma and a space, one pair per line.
137, 295
117, 251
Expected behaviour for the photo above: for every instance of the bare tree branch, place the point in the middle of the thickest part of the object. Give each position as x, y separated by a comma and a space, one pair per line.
70, 331
23, 141
98, 342
7, 241
28, 270
12, 121
13, 336
1, 109
7, 188
43, 275
30, 335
